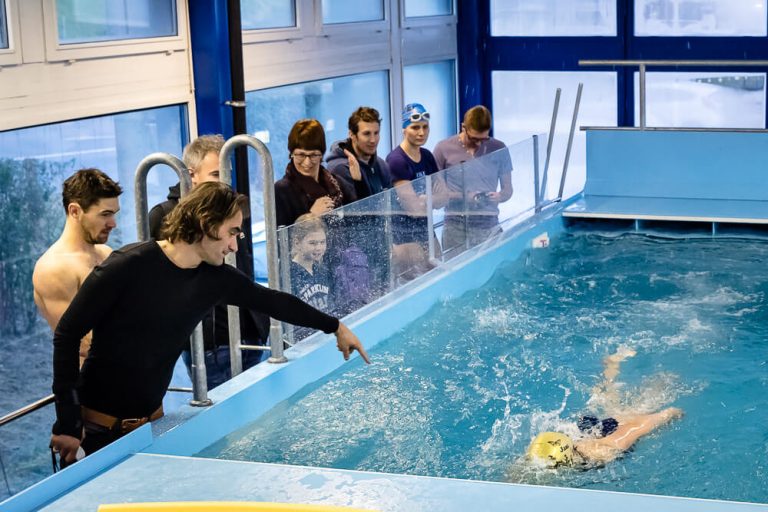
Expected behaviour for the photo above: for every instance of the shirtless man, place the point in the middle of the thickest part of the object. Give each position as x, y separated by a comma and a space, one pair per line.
90, 202
606, 439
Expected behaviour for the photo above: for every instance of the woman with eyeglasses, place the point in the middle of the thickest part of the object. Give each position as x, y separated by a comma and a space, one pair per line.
307, 186
409, 162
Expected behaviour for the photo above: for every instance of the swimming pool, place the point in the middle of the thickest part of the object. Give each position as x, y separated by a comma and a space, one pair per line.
460, 391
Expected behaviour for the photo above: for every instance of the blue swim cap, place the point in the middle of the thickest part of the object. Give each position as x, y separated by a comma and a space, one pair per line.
414, 113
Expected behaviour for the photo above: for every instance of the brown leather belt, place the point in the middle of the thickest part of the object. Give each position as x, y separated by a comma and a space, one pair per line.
117, 424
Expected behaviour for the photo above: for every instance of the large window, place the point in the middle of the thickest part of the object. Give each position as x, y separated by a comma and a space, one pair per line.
82, 21
33, 164
523, 103
546, 18
434, 86
703, 18
423, 8
709, 100
350, 11
263, 14
3, 26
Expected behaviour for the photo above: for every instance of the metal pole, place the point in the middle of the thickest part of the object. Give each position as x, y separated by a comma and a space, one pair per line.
199, 376
388, 236
270, 226
430, 220
466, 204
550, 140
642, 96
570, 141
536, 203
200, 379
284, 259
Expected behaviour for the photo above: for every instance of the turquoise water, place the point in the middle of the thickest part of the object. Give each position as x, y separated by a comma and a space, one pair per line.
460, 392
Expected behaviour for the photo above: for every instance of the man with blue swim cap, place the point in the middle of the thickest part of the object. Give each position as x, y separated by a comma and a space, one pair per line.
608, 439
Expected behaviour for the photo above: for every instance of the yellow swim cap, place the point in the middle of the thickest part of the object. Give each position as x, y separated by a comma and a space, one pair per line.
553, 448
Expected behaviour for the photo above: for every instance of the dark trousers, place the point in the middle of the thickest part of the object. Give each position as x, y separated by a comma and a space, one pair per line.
218, 367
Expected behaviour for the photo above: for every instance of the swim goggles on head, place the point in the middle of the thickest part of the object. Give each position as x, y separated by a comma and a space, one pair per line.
419, 116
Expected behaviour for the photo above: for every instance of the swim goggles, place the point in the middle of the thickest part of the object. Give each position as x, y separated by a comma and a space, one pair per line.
419, 116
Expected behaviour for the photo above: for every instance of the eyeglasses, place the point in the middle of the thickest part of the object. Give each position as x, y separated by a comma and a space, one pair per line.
313, 157
473, 139
419, 116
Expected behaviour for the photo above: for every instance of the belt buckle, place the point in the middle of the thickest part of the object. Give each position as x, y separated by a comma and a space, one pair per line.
131, 424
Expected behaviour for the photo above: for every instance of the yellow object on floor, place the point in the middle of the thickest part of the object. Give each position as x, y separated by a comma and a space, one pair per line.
223, 506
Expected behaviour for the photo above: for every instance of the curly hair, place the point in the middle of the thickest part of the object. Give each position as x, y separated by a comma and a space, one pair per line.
201, 212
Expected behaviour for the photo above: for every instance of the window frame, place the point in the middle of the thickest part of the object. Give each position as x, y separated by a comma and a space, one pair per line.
57, 52
11, 56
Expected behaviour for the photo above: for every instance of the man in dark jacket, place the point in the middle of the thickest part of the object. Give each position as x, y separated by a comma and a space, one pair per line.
201, 157
354, 162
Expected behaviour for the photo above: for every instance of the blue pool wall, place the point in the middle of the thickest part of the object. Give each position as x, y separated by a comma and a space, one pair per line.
241, 400
690, 164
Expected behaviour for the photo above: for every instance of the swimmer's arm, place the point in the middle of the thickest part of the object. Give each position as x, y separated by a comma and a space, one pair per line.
610, 447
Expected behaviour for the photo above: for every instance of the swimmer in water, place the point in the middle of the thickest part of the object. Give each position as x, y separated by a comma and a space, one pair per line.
610, 437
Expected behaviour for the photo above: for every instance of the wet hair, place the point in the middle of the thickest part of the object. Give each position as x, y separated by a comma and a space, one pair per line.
202, 212
478, 118
307, 134
87, 187
196, 151
364, 114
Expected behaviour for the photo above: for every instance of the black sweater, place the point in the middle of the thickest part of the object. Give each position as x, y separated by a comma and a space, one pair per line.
142, 309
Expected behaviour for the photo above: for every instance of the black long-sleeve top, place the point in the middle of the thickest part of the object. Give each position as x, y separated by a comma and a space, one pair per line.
142, 309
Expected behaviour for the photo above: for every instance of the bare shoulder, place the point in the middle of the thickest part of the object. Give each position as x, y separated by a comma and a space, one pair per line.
58, 268
103, 250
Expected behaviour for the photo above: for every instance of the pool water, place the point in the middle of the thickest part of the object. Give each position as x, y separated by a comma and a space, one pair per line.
460, 392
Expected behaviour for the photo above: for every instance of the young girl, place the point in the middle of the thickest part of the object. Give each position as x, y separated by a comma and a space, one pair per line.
310, 278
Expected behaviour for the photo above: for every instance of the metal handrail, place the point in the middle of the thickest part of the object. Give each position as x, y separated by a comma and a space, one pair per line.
270, 230
140, 187
200, 380
29, 408
642, 64
570, 141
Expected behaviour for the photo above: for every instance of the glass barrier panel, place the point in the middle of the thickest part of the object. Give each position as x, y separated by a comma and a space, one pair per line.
353, 255
523, 192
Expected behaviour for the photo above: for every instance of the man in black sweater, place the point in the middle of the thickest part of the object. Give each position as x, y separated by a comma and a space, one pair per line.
201, 157
142, 304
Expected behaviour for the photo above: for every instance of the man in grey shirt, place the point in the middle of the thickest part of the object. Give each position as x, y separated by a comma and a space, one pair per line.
476, 185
